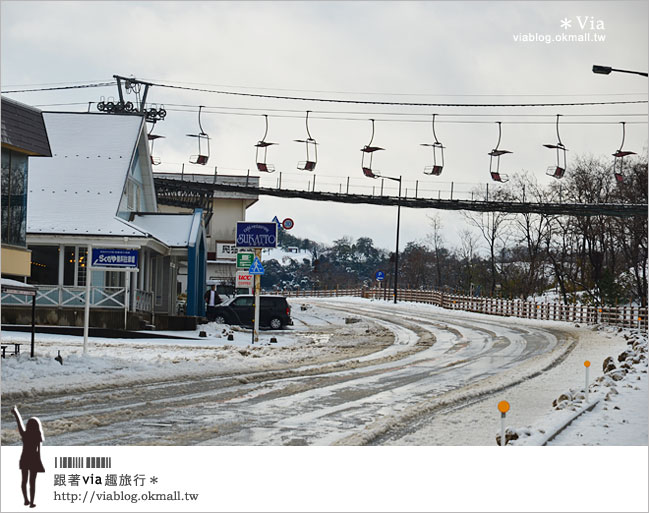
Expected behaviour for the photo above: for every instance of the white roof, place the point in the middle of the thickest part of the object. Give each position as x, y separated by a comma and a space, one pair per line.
174, 230
77, 191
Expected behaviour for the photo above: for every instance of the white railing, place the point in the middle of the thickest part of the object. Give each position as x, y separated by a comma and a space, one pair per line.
62, 296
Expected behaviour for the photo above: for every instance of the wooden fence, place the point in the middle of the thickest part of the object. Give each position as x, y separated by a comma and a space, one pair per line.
623, 316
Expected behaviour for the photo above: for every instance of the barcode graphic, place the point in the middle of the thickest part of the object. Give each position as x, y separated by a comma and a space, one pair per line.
81, 462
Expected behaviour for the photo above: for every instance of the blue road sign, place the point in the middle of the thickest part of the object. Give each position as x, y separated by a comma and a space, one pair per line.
256, 235
380, 275
256, 267
118, 258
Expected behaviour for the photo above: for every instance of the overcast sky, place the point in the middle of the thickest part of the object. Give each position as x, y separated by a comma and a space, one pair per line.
444, 52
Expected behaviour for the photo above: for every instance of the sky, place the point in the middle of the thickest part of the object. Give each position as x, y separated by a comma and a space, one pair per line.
425, 52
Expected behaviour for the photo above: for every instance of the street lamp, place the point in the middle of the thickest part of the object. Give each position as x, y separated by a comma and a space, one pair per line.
606, 70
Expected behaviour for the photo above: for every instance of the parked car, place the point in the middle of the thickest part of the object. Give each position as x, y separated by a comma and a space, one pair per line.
274, 311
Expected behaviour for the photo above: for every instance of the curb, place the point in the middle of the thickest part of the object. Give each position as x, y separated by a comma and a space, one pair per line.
565, 424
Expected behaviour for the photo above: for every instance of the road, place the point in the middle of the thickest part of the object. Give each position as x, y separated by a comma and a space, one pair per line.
423, 364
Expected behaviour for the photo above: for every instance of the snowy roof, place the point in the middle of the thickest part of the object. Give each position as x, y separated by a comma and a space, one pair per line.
77, 191
174, 230
6, 283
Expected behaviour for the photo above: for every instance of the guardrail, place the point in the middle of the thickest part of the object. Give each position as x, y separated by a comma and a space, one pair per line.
623, 316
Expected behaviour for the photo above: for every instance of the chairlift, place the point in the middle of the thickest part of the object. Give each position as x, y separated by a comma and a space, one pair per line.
496, 176
311, 150
618, 162
152, 137
261, 159
368, 149
203, 144
438, 164
559, 170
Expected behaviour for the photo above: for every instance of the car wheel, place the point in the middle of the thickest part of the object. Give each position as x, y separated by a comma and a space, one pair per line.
275, 323
219, 319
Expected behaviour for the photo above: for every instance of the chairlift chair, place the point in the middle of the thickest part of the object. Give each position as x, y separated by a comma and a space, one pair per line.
496, 176
368, 149
559, 169
618, 162
152, 137
438, 164
260, 157
311, 150
203, 144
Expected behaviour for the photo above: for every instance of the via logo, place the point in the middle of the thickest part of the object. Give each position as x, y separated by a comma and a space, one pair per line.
30, 459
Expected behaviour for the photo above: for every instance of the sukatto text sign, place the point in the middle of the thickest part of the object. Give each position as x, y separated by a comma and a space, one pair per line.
118, 258
256, 235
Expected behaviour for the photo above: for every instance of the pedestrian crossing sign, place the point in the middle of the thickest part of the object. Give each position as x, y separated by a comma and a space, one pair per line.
256, 267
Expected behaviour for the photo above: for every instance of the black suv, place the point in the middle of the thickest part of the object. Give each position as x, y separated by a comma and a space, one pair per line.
274, 311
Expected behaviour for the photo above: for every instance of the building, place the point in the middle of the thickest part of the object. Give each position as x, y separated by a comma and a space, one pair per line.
23, 136
227, 208
97, 191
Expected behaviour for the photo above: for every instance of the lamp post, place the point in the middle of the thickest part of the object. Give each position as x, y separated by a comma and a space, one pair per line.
606, 70
396, 251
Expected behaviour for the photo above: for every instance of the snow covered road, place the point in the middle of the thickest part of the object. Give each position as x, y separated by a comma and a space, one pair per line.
353, 372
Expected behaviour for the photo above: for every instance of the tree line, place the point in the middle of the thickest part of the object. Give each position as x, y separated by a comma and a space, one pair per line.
599, 260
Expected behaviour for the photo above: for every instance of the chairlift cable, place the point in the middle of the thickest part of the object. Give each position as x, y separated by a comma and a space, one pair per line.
376, 102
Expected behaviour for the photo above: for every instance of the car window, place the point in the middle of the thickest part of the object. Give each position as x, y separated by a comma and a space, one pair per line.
242, 301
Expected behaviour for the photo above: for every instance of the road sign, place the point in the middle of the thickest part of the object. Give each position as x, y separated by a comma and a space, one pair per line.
380, 276
256, 235
276, 221
244, 280
244, 260
256, 267
117, 258
503, 406
288, 223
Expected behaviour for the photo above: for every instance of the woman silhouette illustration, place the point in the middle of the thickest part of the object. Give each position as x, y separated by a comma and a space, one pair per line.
30, 459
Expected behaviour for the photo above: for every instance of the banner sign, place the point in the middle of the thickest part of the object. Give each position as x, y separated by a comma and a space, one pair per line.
226, 251
256, 235
118, 258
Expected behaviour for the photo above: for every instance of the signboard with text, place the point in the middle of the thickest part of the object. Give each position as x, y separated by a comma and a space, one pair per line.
226, 251
256, 235
112, 257
245, 280
244, 260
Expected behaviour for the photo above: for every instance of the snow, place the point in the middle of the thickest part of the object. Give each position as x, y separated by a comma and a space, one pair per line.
284, 257
451, 416
131, 361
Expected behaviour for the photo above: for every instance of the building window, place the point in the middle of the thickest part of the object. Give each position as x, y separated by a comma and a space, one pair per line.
45, 265
14, 198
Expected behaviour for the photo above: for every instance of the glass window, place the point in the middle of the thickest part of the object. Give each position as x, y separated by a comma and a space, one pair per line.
14, 198
45, 265
68, 265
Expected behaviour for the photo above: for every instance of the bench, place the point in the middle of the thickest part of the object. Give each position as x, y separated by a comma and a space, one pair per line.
16, 349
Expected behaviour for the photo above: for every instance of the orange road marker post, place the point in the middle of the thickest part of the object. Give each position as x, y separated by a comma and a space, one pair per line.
503, 408
587, 365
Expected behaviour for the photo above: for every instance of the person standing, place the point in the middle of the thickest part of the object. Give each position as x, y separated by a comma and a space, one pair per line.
30, 459
212, 299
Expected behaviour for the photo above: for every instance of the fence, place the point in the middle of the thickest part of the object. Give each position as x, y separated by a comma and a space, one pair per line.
623, 316
75, 297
